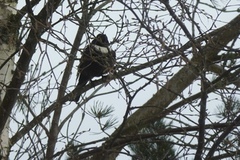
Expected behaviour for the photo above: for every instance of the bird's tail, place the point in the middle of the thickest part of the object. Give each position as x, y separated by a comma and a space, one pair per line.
82, 82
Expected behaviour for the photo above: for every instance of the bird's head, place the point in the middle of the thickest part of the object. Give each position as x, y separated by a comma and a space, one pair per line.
101, 40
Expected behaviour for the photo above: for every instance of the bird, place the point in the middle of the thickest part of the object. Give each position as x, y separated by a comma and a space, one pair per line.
97, 59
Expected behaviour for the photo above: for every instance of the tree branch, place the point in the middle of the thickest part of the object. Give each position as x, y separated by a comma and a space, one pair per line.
177, 84
23, 62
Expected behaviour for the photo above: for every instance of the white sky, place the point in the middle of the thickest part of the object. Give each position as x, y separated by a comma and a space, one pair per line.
116, 99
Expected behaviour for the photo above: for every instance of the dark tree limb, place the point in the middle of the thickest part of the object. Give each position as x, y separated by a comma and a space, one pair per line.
22, 65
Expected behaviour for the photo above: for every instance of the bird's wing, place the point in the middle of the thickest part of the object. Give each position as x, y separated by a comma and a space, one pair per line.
84, 61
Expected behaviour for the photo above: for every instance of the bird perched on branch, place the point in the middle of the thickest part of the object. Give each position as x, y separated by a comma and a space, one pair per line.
97, 59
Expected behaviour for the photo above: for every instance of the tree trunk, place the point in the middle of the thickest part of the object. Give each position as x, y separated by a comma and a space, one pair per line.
7, 48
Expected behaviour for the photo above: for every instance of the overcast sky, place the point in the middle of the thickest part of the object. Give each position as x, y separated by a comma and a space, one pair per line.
116, 99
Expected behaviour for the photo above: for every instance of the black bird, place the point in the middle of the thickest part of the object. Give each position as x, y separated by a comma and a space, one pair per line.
97, 59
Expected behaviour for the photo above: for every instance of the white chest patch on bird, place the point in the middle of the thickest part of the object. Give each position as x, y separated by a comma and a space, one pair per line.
101, 49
